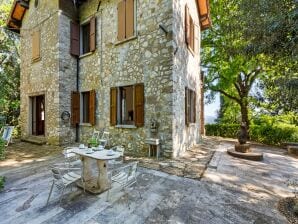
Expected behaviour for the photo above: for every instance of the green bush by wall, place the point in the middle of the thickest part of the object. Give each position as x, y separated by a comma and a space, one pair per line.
274, 134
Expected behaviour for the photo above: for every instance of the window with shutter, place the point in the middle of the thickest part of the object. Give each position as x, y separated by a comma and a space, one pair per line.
74, 39
127, 105
75, 108
36, 45
190, 106
126, 19
190, 32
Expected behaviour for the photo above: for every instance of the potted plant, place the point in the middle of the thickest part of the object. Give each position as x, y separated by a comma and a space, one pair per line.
92, 142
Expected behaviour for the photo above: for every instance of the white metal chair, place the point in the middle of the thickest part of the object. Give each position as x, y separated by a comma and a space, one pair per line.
124, 176
95, 135
71, 159
120, 149
104, 138
62, 178
7, 134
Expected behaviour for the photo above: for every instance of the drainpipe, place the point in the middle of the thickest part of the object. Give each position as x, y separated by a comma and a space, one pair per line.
77, 89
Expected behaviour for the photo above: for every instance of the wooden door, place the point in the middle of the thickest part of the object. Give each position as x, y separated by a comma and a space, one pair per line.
38, 115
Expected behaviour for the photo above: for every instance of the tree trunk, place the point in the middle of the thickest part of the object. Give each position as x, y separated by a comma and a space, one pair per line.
244, 115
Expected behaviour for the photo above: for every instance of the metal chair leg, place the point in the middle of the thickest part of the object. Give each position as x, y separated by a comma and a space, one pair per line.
61, 196
50, 193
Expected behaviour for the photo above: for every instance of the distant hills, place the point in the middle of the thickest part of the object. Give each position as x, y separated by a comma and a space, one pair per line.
210, 119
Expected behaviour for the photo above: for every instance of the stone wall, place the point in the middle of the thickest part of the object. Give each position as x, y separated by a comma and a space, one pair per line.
145, 59
186, 73
40, 77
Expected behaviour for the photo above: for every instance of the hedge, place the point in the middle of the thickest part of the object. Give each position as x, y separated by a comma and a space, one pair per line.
267, 134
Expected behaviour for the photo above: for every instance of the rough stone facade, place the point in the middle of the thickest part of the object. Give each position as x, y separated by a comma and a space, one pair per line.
149, 58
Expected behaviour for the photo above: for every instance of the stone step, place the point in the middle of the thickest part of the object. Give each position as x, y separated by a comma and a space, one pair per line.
37, 140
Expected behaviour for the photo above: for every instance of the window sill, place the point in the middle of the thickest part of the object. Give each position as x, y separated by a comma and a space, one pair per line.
126, 126
36, 60
126, 40
86, 54
191, 50
85, 124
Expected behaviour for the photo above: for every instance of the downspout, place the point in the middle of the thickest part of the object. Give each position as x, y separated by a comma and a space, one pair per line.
77, 89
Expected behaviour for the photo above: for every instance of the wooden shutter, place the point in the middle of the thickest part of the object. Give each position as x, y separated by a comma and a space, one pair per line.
75, 108
121, 20
92, 34
74, 39
92, 107
187, 106
187, 25
196, 39
139, 104
113, 106
36, 45
129, 19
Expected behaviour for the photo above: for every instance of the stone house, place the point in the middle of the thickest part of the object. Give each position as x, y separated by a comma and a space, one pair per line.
115, 65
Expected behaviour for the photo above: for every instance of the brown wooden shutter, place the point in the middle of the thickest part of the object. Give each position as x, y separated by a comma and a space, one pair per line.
129, 19
121, 20
186, 106
74, 39
75, 108
196, 39
92, 34
187, 25
113, 106
139, 104
36, 45
92, 107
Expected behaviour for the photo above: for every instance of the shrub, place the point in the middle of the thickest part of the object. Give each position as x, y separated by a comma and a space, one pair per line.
269, 133
2, 181
2, 149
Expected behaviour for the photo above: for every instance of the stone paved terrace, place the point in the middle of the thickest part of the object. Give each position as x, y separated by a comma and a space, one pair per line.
230, 191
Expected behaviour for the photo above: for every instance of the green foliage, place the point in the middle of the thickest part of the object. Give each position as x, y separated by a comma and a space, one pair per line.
267, 133
93, 142
2, 181
2, 149
9, 69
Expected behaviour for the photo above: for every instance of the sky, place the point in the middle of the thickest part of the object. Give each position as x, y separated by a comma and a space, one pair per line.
211, 110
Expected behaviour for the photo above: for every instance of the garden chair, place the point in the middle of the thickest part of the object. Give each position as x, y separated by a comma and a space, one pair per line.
104, 138
62, 178
71, 159
120, 149
124, 176
7, 134
95, 135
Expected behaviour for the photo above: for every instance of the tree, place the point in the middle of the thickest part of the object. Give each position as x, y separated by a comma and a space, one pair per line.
247, 40
9, 68
230, 71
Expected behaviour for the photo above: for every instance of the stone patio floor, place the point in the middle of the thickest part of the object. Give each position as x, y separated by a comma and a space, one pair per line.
229, 191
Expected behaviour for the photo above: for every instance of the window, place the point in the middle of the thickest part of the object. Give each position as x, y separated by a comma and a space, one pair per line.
190, 106
83, 37
83, 107
36, 45
127, 105
126, 19
85, 34
191, 33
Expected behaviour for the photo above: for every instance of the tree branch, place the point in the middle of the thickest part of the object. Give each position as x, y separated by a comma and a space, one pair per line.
226, 94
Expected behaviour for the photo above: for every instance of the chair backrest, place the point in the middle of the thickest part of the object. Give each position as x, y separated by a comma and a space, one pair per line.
120, 149
105, 135
133, 169
56, 173
7, 133
95, 134
67, 152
